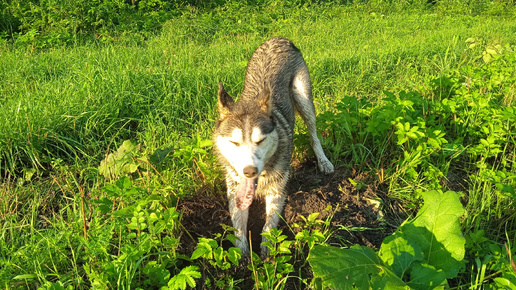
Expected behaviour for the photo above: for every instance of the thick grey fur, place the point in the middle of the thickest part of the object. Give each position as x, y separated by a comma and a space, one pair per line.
277, 83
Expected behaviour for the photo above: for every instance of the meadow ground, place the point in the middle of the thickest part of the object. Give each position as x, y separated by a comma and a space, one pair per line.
411, 99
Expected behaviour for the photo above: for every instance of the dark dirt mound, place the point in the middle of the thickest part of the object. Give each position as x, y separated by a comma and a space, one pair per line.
358, 214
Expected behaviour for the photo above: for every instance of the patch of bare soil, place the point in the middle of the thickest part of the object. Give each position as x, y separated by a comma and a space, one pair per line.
359, 217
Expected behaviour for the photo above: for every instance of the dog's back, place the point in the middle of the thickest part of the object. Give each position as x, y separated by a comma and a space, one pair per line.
275, 63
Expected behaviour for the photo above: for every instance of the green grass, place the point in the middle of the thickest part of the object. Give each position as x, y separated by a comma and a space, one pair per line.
65, 108
110, 93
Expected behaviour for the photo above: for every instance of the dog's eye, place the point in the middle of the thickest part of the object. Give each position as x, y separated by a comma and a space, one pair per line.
235, 143
260, 142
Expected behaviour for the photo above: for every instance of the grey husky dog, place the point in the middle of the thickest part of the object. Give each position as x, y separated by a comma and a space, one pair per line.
253, 137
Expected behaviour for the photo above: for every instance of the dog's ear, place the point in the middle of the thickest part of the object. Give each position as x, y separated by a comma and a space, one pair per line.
225, 102
264, 99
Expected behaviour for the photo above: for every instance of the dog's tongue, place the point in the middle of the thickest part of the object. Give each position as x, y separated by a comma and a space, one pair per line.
245, 193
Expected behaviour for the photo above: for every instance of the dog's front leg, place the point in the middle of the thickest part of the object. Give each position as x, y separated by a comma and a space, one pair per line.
239, 219
274, 206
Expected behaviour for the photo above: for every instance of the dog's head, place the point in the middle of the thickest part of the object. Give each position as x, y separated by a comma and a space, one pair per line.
246, 135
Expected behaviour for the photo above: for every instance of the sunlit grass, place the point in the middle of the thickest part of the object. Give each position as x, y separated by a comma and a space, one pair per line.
64, 109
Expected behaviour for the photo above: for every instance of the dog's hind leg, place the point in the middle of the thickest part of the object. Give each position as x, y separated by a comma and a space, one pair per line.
303, 101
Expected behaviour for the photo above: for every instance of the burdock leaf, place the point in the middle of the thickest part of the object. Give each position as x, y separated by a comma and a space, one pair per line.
353, 267
442, 243
399, 253
425, 276
430, 247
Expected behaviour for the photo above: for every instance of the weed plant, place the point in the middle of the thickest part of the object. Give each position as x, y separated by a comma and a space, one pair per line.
100, 138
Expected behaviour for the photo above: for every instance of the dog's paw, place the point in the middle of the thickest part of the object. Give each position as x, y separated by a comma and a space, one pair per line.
325, 166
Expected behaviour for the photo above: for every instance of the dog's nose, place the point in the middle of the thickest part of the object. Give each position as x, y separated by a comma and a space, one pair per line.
250, 171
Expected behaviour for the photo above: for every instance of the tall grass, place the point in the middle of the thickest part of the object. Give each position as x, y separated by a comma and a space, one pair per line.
74, 102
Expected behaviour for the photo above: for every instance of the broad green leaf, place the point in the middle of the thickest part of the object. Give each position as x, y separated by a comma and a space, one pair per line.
441, 242
399, 253
340, 268
431, 247
346, 268
424, 276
